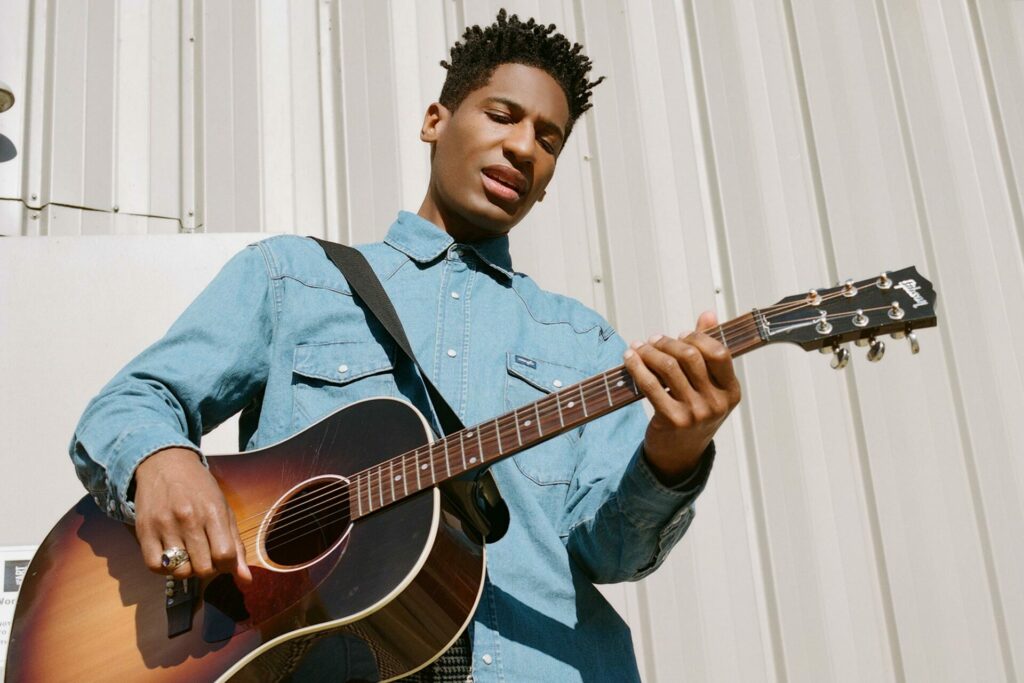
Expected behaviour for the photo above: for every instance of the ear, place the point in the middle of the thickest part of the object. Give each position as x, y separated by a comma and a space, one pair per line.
434, 122
542, 196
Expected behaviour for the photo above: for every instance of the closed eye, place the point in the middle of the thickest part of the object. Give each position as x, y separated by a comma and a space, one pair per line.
499, 117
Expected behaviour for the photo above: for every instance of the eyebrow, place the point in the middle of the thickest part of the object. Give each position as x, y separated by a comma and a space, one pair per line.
519, 110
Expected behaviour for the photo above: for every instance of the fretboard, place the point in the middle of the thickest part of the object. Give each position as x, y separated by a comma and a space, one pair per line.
488, 442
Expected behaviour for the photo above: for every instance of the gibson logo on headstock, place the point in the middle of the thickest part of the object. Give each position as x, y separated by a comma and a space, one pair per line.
913, 291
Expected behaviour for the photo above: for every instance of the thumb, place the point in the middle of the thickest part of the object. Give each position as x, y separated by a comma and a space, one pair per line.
706, 321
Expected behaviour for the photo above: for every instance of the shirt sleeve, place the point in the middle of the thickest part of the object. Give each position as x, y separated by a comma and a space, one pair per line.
620, 520
209, 365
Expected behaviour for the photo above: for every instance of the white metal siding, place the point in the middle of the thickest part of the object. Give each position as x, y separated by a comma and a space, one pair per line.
862, 525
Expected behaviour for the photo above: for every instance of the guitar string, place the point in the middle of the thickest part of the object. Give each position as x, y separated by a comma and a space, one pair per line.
744, 324
308, 517
325, 498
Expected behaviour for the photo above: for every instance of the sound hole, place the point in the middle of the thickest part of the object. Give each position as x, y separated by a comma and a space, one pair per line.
308, 523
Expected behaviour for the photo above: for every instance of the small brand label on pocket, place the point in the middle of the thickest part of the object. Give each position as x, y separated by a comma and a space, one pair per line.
523, 360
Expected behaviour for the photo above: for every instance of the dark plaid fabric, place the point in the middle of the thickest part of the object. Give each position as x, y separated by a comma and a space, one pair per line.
454, 666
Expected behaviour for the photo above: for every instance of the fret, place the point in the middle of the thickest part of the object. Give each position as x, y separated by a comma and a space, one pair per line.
447, 462
416, 465
391, 476
480, 445
583, 400
380, 486
359, 494
405, 477
497, 431
721, 333
607, 389
536, 412
462, 449
430, 456
558, 402
515, 418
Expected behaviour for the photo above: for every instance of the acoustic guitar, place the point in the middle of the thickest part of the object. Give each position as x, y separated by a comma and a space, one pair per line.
347, 533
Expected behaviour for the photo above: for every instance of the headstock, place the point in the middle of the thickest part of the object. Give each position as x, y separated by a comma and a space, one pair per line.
893, 303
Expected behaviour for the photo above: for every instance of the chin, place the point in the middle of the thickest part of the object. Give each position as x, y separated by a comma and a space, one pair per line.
492, 218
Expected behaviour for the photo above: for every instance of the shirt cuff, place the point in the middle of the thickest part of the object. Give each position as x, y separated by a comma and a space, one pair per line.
648, 502
130, 449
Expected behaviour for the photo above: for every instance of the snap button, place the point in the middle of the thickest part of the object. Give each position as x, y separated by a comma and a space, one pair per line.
487, 659
452, 353
342, 369
455, 295
557, 383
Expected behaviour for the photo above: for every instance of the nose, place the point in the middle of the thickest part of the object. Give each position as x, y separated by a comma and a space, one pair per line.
519, 142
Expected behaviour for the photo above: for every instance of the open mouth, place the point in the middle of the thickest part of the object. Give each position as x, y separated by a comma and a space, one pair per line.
504, 182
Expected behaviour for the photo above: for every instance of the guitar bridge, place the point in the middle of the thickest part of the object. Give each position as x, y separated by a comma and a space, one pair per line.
181, 596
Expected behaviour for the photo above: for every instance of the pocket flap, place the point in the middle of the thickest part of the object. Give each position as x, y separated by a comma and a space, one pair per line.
541, 374
344, 361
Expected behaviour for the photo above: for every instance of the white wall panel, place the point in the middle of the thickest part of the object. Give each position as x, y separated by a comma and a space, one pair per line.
861, 525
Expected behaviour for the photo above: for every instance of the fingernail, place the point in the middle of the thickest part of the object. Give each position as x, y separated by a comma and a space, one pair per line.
654, 339
629, 354
636, 344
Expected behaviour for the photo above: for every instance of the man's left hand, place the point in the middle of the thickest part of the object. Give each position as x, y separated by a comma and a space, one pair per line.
691, 384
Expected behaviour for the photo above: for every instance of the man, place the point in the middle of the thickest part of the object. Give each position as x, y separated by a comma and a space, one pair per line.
279, 336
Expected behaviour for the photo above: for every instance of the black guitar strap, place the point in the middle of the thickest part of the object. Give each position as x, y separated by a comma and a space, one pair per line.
476, 494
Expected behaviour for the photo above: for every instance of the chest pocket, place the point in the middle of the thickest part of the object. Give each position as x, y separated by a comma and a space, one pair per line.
329, 375
529, 379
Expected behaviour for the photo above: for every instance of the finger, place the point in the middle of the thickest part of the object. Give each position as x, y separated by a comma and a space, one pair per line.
658, 356
717, 361
198, 548
641, 361
241, 569
183, 570
221, 539
707, 321
689, 356
149, 543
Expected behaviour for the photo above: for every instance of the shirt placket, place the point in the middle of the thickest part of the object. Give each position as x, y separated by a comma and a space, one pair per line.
452, 356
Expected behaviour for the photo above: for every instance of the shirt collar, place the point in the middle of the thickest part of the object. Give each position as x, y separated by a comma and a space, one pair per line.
423, 242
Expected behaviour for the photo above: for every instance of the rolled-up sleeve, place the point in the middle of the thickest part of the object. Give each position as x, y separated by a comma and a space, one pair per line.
621, 521
209, 365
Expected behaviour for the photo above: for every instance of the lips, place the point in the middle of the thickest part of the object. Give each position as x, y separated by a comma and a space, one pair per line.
505, 181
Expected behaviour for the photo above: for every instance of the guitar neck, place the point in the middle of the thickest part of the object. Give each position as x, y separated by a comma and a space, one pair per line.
488, 442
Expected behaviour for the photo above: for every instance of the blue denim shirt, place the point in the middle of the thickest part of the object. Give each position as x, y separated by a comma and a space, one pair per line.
279, 322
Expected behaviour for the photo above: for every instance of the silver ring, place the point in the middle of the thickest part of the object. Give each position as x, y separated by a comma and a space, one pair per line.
173, 557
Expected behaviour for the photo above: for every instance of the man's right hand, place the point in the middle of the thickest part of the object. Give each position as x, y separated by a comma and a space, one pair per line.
178, 503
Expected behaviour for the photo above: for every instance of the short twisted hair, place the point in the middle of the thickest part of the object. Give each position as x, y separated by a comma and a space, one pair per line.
509, 40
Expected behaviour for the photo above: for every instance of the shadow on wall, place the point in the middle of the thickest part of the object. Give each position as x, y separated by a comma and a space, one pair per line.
7, 149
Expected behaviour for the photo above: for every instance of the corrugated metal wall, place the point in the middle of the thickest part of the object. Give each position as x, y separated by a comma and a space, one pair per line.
860, 526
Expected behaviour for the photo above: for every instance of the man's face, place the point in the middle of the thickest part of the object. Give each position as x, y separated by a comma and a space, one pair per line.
495, 154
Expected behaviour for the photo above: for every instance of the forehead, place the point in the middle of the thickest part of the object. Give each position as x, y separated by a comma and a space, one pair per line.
535, 90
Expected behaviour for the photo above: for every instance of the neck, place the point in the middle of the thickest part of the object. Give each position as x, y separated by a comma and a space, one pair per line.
462, 230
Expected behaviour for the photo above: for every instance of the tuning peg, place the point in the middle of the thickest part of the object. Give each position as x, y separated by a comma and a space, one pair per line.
840, 357
915, 348
876, 351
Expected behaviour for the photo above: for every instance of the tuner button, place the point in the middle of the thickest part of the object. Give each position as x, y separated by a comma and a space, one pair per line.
915, 348
863, 341
840, 358
898, 335
876, 351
